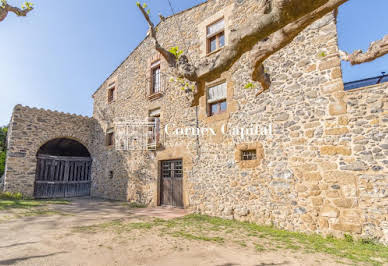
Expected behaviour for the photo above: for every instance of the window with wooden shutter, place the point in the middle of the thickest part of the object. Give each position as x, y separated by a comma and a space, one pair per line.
216, 99
215, 34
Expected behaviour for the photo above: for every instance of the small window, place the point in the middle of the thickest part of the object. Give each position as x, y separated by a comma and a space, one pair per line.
248, 155
110, 138
215, 36
111, 93
155, 78
217, 99
110, 174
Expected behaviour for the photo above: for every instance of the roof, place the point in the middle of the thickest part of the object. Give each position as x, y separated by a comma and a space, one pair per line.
176, 14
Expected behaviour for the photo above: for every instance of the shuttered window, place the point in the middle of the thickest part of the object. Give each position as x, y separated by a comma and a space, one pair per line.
217, 93
215, 36
217, 99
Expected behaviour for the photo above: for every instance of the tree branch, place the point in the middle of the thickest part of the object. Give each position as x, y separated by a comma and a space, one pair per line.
5, 8
376, 49
275, 24
171, 59
278, 40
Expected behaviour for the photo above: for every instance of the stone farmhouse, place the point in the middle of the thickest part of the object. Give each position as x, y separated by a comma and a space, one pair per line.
319, 163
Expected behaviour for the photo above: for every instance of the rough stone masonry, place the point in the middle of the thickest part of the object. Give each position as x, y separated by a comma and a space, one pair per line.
324, 169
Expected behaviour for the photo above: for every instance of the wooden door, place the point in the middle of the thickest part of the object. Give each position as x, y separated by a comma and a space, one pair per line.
62, 177
171, 183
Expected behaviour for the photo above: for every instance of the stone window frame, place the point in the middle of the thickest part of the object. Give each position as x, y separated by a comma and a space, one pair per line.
225, 13
111, 92
151, 65
240, 148
216, 35
232, 105
154, 66
109, 137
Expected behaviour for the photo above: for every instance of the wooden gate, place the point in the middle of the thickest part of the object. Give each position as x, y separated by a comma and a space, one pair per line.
62, 177
171, 183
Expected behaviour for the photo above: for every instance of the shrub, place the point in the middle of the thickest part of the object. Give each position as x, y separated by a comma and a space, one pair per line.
11, 196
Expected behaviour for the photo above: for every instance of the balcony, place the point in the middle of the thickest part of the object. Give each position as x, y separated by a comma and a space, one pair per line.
156, 86
365, 82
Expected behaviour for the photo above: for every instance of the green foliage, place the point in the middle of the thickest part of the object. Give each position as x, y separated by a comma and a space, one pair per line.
183, 84
3, 156
3, 3
249, 86
348, 238
11, 196
134, 205
3, 148
18, 201
144, 6
27, 5
175, 51
322, 54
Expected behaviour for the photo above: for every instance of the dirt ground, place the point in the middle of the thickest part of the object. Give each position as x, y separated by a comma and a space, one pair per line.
52, 240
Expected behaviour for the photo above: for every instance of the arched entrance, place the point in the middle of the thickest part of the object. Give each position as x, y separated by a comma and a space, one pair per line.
63, 170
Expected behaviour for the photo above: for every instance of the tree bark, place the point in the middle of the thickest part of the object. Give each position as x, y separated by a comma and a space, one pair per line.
6, 8
376, 49
276, 25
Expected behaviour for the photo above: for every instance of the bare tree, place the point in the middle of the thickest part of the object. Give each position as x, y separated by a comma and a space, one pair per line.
276, 24
5, 8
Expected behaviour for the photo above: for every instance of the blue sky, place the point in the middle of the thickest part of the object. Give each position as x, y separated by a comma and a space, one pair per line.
59, 55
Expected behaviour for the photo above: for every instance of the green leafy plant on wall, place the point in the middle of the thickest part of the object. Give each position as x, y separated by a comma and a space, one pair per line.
176, 52
183, 84
322, 54
249, 85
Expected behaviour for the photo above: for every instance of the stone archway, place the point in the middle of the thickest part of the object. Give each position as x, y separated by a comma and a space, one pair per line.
63, 169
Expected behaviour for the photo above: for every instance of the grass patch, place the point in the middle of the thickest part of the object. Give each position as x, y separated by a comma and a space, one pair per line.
11, 196
217, 230
194, 237
136, 205
27, 204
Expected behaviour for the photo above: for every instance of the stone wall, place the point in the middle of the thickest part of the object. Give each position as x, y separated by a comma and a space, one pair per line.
29, 129
323, 167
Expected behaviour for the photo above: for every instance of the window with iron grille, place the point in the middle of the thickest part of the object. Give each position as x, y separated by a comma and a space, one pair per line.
216, 99
172, 169
215, 36
155, 78
248, 155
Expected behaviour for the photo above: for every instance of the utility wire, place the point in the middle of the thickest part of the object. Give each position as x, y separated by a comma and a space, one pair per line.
179, 28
